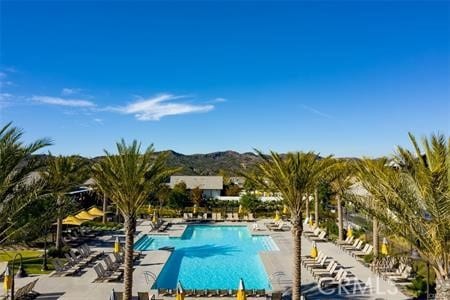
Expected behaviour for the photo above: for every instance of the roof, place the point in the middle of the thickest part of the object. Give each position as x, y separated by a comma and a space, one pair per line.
201, 182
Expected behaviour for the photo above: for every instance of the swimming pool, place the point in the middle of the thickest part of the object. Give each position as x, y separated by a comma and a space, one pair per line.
212, 257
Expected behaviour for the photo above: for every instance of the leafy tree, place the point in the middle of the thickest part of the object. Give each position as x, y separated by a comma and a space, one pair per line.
179, 196
232, 189
250, 202
128, 178
412, 199
293, 176
19, 185
196, 196
61, 175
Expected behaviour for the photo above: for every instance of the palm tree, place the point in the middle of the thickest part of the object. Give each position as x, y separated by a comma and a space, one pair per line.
61, 175
128, 178
18, 184
293, 176
413, 201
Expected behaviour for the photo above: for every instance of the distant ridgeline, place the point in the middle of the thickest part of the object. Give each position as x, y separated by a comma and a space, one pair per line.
225, 163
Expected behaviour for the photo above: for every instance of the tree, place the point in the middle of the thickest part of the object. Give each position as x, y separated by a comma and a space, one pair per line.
411, 198
61, 175
249, 202
197, 196
232, 189
293, 176
129, 177
19, 185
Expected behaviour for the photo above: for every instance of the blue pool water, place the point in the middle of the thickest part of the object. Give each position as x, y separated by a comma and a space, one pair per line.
212, 257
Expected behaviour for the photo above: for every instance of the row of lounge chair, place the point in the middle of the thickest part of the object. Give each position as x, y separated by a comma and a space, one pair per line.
393, 270
356, 248
278, 226
233, 217
75, 263
26, 292
317, 235
327, 271
212, 293
159, 226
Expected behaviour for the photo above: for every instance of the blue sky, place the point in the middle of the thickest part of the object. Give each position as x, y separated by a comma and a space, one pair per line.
343, 78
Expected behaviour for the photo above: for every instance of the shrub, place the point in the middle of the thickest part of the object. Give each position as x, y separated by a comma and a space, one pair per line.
53, 252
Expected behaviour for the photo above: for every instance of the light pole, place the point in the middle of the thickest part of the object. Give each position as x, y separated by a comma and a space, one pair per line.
20, 273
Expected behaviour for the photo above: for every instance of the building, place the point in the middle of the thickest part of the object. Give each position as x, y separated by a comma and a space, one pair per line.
211, 186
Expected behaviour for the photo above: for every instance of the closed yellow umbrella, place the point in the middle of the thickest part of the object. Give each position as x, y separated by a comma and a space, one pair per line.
277, 216
84, 215
349, 231
241, 291
7, 280
384, 247
117, 245
310, 221
180, 292
314, 250
95, 212
155, 218
285, 210
195, 209
240, 209
71, 220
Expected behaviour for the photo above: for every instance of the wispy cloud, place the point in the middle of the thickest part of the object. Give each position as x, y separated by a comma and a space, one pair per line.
63, 102
70, 91
4, 81
218, 100
155, 108
316, 111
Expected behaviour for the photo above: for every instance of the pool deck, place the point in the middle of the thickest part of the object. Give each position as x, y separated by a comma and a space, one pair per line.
278, 265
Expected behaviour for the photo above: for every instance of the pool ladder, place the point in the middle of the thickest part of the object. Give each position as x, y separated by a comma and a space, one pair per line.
149, 276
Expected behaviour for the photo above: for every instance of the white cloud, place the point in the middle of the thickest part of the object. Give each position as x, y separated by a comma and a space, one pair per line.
63, 102
70, 91
153, 109
98, 120
219, 100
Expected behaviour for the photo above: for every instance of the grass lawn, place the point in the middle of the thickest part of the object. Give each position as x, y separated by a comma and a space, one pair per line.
32, 260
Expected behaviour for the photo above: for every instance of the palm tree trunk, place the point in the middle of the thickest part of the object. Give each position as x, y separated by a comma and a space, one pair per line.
375, 236
442, 289
297, 235
340, 218
316, 207
307, 206
104, 209
58, 225
130, 226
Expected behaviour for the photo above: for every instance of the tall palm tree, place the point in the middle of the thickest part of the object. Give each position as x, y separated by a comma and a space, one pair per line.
18, 184
128, 178
293, 176
61, 175
413, 200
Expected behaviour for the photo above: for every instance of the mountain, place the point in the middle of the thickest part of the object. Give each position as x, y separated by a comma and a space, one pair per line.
228, 162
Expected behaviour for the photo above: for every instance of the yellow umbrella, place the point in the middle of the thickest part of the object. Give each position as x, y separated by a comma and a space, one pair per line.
155, 218
349, 231
285, 210
180, 292
241, 291
240, 209
314, 250
149, 208
95, 212
310, 221
277, 216
117, 245
7, 280
71, 220
195, 209
84, 215
384, 247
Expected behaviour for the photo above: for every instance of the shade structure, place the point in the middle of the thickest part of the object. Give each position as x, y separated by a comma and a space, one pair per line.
384, 247
241, 291
84, 215
277, 216
285, 210
314, 250
7, 280
116, 245
180, 292
72, 220
95, 212
349, 231
240, 209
